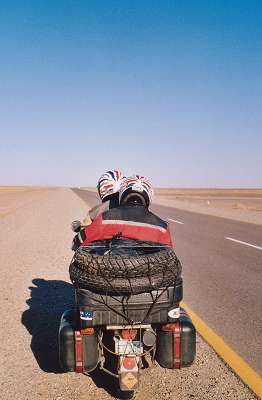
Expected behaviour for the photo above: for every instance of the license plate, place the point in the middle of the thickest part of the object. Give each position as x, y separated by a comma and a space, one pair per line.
129, 347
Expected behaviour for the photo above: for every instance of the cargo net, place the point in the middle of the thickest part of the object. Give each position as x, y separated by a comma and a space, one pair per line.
124, 310
124, 268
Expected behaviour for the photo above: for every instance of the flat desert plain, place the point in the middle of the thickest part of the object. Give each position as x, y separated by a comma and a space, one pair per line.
14, 197
239, 204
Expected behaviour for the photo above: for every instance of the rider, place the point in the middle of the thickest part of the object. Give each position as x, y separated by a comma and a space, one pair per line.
108, 189
132, 219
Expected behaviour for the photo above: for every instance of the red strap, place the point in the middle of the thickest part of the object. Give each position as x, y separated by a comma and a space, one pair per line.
176, 339
78, 352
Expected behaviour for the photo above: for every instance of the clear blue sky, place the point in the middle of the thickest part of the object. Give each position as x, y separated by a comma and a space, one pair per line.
169, 89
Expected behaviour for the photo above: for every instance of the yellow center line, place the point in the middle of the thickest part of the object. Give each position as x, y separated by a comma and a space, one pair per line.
238, 365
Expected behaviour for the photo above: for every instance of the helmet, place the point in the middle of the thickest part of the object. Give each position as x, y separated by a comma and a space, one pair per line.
109, 183
138, 185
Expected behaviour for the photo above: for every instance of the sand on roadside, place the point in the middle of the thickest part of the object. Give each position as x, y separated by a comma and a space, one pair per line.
15, 197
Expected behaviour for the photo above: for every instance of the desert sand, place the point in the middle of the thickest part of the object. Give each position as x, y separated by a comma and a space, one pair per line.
15, 197
239, 204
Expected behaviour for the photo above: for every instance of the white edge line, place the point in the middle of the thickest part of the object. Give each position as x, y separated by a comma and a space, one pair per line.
174, 220
245, 243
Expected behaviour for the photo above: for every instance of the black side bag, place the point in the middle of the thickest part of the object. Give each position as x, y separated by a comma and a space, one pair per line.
67, 345
176, 343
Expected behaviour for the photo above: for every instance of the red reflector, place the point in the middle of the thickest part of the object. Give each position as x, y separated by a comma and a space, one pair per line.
87, 331
168, 328
129, 362
129, 333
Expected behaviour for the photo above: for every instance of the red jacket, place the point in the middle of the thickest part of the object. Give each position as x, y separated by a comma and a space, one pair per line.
140, 225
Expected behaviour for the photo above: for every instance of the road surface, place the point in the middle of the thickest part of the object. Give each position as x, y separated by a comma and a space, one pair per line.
222, 270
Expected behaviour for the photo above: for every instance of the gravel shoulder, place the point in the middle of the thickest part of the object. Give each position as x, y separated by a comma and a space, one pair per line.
35, 290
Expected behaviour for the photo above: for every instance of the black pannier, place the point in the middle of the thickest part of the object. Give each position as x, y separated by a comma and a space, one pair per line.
176, 343
67, 345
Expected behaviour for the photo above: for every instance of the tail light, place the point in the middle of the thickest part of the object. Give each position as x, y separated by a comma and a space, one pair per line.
87, 331
128, 334
170, 327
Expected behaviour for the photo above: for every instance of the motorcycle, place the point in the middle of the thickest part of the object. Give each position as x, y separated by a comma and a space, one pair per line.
123, 332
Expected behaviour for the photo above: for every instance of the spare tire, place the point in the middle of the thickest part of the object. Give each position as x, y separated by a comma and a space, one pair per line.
147, 267
123, 286
125, 266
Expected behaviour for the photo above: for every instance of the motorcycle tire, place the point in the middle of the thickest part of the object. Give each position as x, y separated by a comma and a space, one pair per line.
122, 286
125, 266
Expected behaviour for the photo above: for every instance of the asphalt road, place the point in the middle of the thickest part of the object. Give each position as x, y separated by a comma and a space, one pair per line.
222, 277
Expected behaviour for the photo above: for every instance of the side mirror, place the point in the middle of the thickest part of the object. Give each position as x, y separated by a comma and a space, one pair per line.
76, 226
